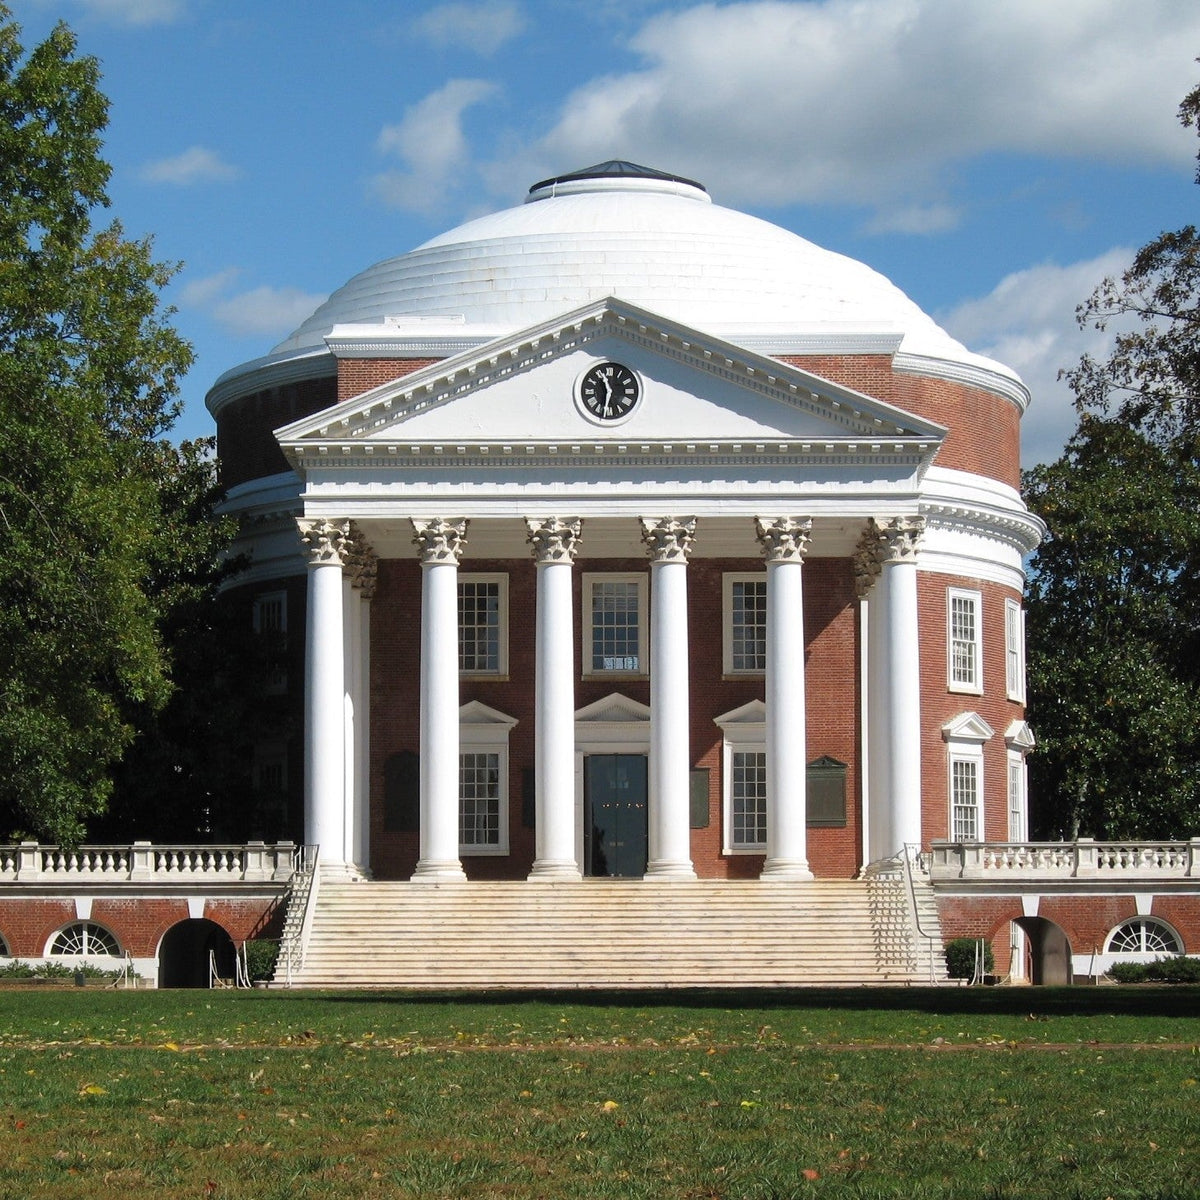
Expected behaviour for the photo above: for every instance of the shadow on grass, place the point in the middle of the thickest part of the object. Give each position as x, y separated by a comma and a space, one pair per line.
1081, 1001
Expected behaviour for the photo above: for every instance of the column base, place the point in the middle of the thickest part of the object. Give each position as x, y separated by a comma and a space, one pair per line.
784, 870
435, 871
339, 872
553, 870
670, 870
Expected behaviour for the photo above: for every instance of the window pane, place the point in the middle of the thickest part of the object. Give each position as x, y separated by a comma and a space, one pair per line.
615, 626
749, 799
479, 799
478, 625
962, 640
748, 625
964, 800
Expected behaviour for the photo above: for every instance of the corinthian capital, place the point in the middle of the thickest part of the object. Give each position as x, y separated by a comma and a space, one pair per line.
362, 563
668, 539
553, 540
439, 540
783, 539
325, 540
901, 538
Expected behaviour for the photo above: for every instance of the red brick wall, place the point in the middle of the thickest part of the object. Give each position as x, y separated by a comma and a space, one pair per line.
358, 375
833, 705
939, 704
138, 923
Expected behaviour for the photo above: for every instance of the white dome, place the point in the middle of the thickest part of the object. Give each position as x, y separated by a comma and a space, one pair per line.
651, 239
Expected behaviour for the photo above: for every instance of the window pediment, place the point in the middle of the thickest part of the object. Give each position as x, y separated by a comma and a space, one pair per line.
967, 727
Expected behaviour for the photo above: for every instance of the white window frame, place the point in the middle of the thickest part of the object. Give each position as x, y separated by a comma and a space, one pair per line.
965, 736
484, 730
1014, 650
93, 939
1017, 797
500, 671
728, 583
957, 681
262, 606
743, 731
591, 579
966, 763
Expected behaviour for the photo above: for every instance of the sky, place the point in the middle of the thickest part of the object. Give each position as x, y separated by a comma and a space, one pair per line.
994, 158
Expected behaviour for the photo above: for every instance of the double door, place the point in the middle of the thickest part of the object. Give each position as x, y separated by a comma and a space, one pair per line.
615, 815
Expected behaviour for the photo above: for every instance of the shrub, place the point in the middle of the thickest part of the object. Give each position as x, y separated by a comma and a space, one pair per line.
1129, 972
960, 958
260, 959
16, 969
1176, 969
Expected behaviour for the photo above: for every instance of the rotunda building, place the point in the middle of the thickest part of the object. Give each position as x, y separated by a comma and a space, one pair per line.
623, 535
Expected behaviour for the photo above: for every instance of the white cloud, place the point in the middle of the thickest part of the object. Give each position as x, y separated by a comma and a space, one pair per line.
915, 218
876, 101
197, 164
261, 311
135, 12
431, 144
1028, 322
481, 27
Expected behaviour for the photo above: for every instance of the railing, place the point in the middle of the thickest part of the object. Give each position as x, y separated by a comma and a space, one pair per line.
1082, 859
914, 862
145, 863
297, 921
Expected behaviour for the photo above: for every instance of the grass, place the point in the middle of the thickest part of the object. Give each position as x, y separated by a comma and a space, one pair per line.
1067, 1093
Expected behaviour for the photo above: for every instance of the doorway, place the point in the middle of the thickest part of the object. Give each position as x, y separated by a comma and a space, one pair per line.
614, 806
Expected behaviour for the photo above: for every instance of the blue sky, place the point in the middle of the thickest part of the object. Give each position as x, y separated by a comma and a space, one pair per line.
995, 158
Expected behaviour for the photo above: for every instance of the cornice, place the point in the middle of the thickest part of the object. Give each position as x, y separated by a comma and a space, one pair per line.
267, 372
1016, 527
999, 383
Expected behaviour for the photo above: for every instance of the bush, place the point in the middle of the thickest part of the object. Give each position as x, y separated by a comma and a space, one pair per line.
1129, 972
260, 959
16, 969
1178, 968
960, 958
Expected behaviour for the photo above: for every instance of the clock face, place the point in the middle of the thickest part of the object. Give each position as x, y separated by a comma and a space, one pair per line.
608, 391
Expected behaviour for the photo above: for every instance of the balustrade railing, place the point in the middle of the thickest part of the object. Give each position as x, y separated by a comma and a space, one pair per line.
144, 862
1082, 859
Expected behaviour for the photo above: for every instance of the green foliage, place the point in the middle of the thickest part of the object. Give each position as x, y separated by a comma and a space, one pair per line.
260, 959
1175, 968
88, 372
1129, 972
961, 957
1113, 605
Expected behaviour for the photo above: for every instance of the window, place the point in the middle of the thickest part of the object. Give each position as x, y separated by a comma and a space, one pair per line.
483, 624
1018, 809
745, 625
1143, 935
1014, 651
964, 665
964, 798
748, 800
84, 937
270, 767
614, 624
483, 779
270, 623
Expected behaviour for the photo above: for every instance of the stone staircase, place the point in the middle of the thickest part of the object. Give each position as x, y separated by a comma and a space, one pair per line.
619, 934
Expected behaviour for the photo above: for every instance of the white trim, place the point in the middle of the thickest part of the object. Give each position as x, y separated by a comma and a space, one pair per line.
966, 757
590, 580
1017, 796
485, 730
1014, 650
500, 578
743, 731
958, 678
728, 581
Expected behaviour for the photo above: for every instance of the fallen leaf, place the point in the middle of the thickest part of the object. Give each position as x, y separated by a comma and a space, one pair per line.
810, 1174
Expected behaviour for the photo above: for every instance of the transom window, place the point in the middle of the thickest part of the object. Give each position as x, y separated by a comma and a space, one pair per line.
748, 799
745, 624
1143, 935
482, 624
964, 642
964, 799
479, 799
614, 624
84, 937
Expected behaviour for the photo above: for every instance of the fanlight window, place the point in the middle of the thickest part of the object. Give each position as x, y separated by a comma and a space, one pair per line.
84, 938
1144, 935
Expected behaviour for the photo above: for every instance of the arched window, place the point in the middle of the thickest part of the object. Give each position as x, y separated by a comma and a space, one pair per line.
3, 947
84, 937
1143, 935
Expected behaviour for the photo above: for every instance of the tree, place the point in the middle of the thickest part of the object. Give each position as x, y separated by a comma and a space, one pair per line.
88, 374
1114, 594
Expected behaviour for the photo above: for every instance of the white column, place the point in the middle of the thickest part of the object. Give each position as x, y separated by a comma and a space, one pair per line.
668, 541
440, 543
870, 586
324, 693
784, 542
554, 543
901, 676
350, 656
362, 569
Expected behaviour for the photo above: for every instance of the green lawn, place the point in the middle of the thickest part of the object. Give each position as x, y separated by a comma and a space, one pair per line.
1085, 1092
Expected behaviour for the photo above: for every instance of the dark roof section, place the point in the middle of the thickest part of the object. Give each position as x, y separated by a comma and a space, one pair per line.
616, 168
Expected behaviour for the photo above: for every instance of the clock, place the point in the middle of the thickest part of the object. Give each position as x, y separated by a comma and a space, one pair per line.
608, 391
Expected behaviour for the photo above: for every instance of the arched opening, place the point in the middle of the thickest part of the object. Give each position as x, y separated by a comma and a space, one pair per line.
183, 954
1049, 951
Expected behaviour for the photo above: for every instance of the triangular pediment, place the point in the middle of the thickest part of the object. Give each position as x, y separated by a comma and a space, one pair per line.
1018, 736
476, 713
967, 727
525, 388
752, 713
615, 709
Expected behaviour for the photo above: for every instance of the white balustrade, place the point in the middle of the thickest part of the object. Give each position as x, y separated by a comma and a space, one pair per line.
1082, 859
143, 862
